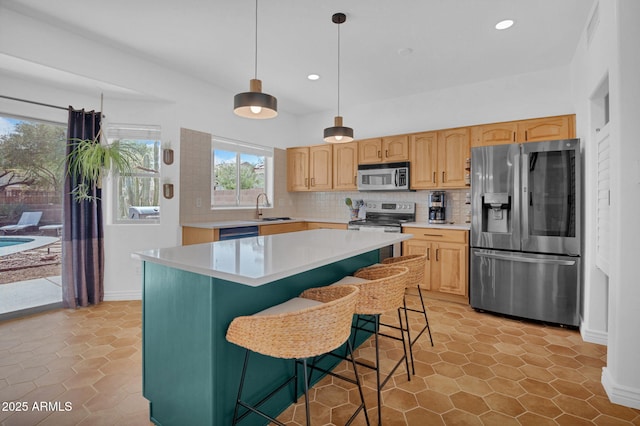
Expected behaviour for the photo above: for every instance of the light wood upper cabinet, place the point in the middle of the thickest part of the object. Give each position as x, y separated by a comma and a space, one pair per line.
423, 152
395, 148
383, 150
533, 130
453, 151
370, 151
320, 167
544, 129
345, 166
297, 169
494, 134
438, 159
310, 168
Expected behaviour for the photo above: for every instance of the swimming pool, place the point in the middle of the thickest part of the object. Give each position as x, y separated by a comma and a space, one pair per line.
11, 245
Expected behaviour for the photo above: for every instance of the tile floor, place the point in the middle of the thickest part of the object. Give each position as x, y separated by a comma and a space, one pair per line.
483, 370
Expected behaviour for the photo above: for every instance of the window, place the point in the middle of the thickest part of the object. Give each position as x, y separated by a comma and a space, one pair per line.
241, 172
136, 196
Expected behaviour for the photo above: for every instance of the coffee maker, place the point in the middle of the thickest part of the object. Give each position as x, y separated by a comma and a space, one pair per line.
437, 206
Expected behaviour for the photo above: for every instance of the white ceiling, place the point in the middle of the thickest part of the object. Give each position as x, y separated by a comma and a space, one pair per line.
453, 42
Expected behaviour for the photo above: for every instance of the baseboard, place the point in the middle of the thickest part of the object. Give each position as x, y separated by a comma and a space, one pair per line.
618, 394
113, 296
592, 336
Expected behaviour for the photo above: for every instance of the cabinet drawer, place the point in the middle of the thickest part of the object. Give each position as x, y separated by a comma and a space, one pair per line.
281, 228
438, 234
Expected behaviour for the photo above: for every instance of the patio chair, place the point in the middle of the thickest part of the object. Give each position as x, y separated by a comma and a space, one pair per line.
27, 220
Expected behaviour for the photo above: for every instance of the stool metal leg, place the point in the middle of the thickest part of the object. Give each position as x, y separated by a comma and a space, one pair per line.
424, 311
306, 391
239, 398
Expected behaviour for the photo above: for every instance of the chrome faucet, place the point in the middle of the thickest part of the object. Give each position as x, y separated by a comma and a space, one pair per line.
266, 204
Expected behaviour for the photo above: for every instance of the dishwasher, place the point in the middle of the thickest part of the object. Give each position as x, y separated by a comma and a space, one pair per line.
238, 232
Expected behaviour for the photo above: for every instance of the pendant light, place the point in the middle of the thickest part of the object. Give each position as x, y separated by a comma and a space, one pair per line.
254, 103
338, 133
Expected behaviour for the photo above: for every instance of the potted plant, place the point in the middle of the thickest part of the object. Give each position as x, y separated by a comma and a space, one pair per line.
91, 160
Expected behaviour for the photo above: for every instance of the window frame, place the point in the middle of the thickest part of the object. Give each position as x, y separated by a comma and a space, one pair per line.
134, 132
240, 148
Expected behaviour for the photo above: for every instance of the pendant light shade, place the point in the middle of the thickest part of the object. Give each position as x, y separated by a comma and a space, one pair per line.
254, 103
338, 133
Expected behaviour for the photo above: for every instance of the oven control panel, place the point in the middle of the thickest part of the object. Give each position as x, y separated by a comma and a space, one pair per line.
390, 207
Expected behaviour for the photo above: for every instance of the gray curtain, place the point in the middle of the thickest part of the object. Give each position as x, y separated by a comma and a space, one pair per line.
82, 236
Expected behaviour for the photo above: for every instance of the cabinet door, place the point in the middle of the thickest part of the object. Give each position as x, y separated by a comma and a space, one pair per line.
345, 166
545, 129
395, 148
415, 246
424, 160
370, 151
453, 151
298, 169
320, 167
449, 268
495, 134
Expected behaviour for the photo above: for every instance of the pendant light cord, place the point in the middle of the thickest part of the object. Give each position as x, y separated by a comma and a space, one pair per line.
256, 45
338, 69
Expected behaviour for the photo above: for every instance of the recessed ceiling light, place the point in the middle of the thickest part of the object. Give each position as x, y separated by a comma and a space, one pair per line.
405, 51
313, 77
503, 25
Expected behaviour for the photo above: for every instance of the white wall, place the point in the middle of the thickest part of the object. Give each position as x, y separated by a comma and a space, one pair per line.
612, 310
621, 376
536, 94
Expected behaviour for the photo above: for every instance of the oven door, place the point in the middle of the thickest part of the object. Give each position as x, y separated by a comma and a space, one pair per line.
388, 251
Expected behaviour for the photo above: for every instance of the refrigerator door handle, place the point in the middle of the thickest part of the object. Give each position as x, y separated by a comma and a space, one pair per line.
525, 259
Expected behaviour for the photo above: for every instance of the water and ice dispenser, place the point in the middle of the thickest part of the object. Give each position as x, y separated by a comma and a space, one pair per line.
496, 212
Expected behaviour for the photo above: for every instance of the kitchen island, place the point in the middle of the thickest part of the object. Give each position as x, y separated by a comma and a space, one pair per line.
191, 294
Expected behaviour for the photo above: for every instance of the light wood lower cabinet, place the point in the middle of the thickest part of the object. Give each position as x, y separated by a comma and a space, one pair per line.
191, 235
281, 228
447, 268
326, 225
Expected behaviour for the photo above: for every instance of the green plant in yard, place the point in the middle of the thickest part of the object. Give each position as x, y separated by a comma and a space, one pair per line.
89, 161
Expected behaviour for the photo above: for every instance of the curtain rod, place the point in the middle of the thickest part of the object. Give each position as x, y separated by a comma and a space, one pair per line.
34, 102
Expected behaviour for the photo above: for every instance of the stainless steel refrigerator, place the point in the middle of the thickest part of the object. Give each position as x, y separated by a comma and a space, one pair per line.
526, 230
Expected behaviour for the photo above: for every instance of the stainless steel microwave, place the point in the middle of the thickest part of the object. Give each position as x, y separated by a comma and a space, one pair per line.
383, 177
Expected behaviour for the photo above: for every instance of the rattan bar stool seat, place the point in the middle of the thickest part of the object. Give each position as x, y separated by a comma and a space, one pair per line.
317, 322
416, 265
381, 290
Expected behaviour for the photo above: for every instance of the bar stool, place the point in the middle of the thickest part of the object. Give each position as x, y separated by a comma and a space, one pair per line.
381, 290
416, 265
317, 322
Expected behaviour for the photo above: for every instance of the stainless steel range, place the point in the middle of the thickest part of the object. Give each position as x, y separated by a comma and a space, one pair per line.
385, 216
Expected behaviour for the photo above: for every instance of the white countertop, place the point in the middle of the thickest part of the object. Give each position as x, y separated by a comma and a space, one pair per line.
255, 261
458, 226
234, 223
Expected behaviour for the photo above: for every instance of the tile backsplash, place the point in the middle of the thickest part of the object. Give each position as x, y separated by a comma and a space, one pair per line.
331, 205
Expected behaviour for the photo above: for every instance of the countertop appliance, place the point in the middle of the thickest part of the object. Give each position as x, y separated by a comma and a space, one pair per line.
526, 230
437, 207
385, 216
384, 177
